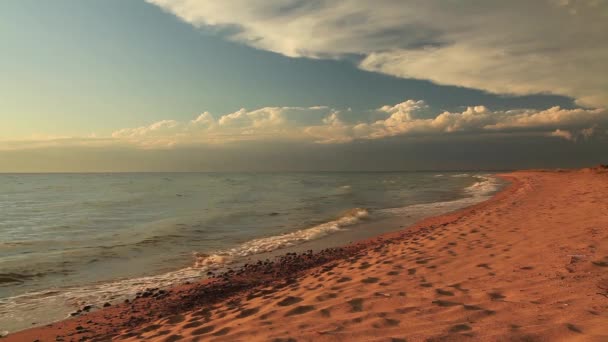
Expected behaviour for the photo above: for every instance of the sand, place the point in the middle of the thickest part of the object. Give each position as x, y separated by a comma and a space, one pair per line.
531, 264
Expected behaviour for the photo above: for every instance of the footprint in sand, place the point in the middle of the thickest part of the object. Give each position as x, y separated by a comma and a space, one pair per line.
403, 311
356, 304
472, 307
203, 330
442, 292
387, 322
266, 315
247, 312
289, 301
496, 296
445, 303
192, 325
150, 328
326, 296
129, 335
574, 328
460, 328
300, 310
175, 319
458, 287
370, 280
161, 333
601, 263
392, 322
222, 332
343, 279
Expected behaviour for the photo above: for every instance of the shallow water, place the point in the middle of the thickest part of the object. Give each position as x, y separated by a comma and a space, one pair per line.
73, 239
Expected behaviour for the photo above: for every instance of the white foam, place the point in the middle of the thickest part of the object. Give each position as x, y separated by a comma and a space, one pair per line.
484, 187
477, 192
271, 243
460, 175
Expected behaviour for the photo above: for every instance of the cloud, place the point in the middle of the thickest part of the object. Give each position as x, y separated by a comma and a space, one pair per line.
406, 119
588, 133
506, 47
584, 134
268, 123
562, 134
38, 142
325, 125
330, 126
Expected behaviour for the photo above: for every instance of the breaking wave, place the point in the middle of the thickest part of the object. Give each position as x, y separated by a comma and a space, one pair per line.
485, 186
460, 175
482, 189
269, 244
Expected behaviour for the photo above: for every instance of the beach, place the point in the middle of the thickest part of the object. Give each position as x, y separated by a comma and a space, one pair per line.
530, 264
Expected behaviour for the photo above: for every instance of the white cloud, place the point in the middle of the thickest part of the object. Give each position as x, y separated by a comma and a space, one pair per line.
330, 126
513, 47
562, 134
327, 125
260, 124
588, 133
585, 134
404, 119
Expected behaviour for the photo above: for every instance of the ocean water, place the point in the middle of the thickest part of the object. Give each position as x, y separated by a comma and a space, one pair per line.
67, 240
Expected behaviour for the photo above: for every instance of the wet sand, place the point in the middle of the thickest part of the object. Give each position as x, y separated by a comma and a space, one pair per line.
531, 264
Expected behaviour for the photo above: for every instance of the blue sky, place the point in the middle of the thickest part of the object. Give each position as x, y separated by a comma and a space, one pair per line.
115, 74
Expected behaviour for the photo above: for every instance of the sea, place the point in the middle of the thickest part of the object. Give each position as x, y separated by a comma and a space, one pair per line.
68, 240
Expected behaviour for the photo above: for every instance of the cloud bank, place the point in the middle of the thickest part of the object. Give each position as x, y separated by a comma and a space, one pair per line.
329, 125
506, 47
325, 125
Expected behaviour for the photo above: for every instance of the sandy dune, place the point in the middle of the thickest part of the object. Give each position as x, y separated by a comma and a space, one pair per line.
529, 265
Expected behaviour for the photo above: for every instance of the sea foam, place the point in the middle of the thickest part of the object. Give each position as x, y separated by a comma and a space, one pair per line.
271, 243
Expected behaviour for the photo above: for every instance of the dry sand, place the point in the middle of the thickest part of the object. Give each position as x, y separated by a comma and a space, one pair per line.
529, 265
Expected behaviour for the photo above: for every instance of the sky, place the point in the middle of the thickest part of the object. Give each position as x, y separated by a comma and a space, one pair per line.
295, 85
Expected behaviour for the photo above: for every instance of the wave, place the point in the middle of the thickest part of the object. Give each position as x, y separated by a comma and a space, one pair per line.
485, 186
269, 244
460, 175
477, 192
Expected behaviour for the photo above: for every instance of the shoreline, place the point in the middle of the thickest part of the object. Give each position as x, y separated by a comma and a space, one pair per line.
263, 281
355, 224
